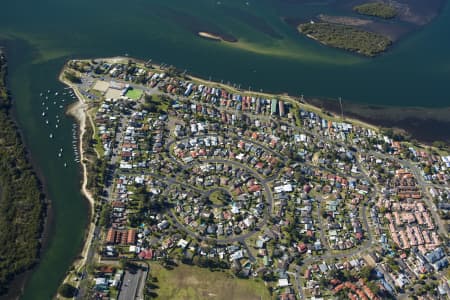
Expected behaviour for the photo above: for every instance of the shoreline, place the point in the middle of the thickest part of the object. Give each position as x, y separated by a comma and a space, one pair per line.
418, 122
78, 111
316, 104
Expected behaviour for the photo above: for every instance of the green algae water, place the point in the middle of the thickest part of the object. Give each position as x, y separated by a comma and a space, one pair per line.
269, 55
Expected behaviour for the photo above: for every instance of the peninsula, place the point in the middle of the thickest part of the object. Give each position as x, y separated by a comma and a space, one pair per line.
188, 176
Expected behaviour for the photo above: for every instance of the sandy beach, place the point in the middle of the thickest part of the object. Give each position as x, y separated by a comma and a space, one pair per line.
79, 111
209, 36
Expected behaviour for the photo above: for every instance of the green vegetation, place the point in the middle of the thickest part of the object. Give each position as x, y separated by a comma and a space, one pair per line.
156, 103
190, 282
72, 77
219, 197
134, 94
346, 37
21, 200
376, 9
67, 291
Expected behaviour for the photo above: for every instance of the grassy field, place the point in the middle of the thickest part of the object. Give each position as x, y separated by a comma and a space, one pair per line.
189, 282
134, 94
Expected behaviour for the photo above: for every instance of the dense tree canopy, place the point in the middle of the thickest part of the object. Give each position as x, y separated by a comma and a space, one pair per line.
346, 37
21, 200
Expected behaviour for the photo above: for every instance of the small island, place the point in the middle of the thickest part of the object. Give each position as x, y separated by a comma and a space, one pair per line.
209, 36
376, 9
217, 36
346, 37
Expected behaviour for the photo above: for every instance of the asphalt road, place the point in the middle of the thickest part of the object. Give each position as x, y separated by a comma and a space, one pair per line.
130, 284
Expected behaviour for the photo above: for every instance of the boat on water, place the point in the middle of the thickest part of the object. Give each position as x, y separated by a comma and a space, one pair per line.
59, 154
51, 135
46, 122
43, 114
65, 165
56, 126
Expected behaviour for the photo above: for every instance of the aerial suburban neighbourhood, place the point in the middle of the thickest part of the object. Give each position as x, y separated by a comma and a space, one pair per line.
186, 173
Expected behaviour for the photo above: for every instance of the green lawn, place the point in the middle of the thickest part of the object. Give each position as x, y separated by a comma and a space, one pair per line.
190, 282
134, 94
219, 198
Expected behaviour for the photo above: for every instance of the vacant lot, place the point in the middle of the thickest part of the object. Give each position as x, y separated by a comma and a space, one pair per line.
189, 282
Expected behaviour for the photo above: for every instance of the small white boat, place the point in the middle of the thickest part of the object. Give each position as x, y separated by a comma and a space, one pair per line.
51, 135
56, 94
43, 114
41, 94
65, 165
59, 154
56, 126
46, 122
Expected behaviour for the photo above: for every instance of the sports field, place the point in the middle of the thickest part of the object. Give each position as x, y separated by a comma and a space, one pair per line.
134, 94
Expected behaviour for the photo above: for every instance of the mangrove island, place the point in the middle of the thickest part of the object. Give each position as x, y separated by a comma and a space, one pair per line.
346, 37
376, 9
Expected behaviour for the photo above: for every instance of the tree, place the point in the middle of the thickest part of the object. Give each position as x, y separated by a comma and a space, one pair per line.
439, 144
105, 216
67, 291
365, 272
72, 77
